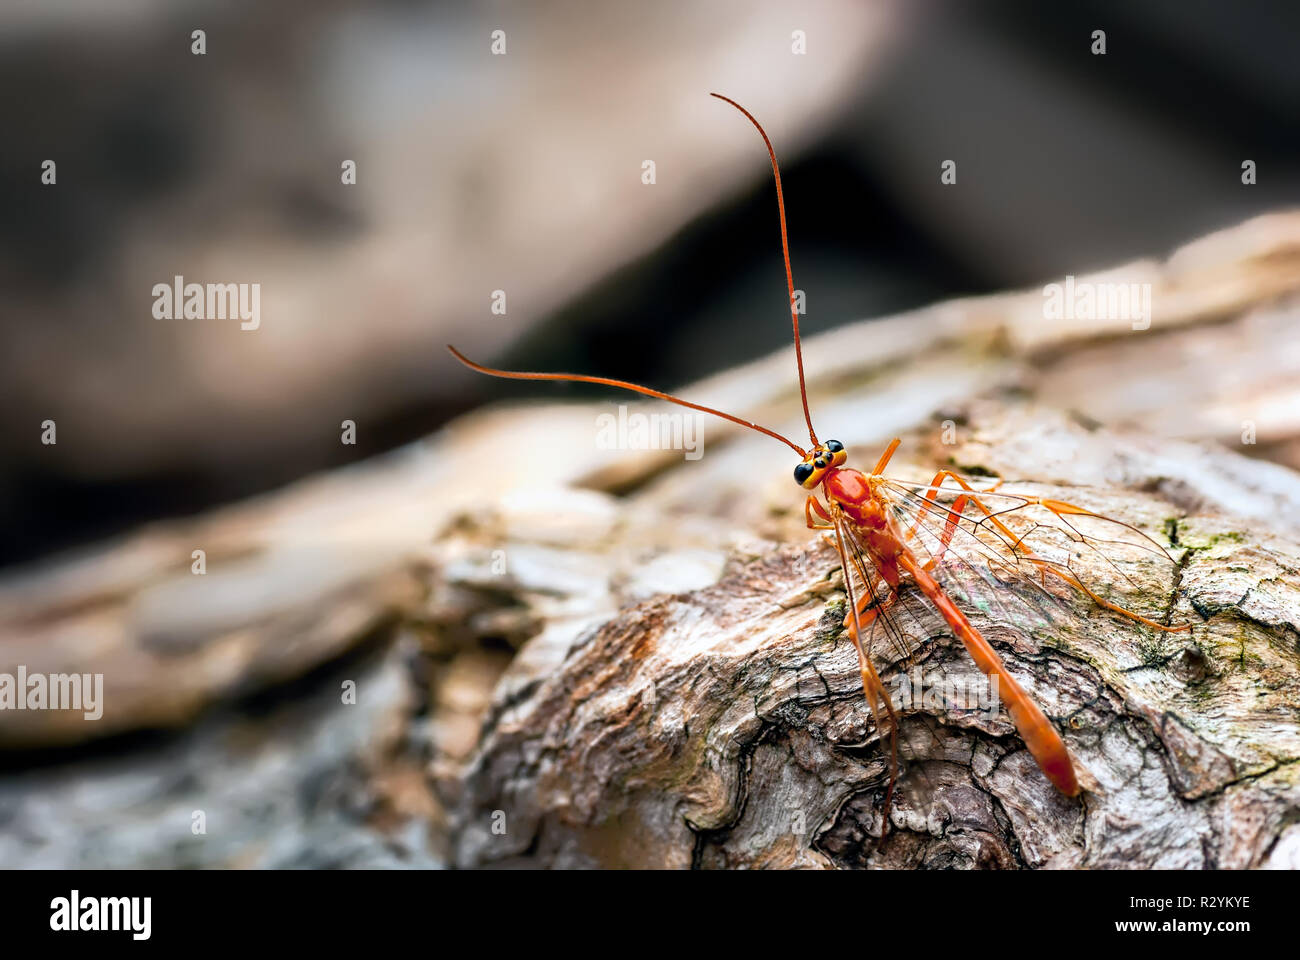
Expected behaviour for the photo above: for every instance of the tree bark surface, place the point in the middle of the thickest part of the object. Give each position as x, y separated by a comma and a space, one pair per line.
631, 658
720, 720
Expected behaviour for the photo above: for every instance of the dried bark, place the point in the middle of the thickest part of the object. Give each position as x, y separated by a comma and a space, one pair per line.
725, 726
682, 693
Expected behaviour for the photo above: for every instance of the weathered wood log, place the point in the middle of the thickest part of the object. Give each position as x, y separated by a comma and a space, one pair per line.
299, 782
726, 726
682, 692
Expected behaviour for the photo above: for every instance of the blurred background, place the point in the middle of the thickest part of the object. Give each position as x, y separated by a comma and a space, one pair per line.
522, 172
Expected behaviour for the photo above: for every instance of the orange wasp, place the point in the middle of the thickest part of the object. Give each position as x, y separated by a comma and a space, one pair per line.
1002, 553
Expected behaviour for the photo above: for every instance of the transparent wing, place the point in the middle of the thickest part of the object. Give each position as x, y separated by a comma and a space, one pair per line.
1030, 561
904, 619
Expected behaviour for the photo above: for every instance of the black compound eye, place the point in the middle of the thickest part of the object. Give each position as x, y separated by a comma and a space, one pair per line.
802, 473
834, 446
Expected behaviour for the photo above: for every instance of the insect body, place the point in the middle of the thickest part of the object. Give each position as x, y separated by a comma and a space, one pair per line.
1006, 554
864, 527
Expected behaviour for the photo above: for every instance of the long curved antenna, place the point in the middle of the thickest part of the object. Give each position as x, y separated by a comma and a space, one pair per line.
785, 251
623, 385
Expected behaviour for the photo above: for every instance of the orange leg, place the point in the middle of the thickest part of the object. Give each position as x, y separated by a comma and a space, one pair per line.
871, 682
868, 610
884, 457
811, 505
949, 528
954, 512
954, 517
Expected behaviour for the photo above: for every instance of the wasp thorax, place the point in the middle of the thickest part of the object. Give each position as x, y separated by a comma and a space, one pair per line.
830, 454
